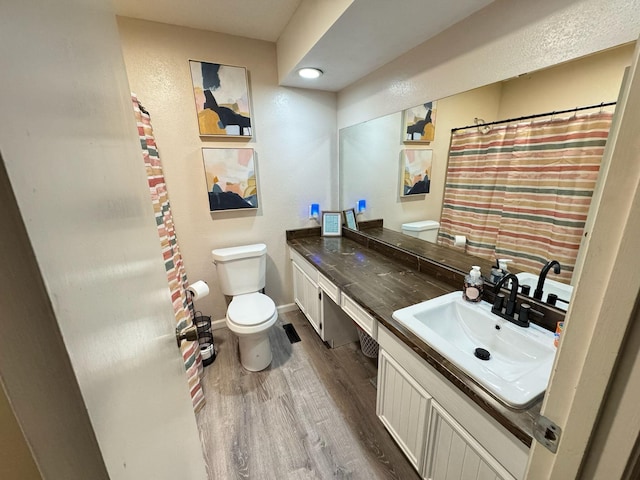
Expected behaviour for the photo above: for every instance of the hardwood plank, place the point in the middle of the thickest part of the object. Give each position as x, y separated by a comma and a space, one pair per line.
346, 374
311, 414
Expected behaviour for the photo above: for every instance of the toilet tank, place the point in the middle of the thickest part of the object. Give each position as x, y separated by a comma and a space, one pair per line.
425, 230
241, 269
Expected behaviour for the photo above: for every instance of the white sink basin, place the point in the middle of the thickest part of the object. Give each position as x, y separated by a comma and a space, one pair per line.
562, 290
519, 367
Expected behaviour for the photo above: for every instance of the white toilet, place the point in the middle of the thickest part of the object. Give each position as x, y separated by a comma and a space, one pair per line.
241, 273
425, 230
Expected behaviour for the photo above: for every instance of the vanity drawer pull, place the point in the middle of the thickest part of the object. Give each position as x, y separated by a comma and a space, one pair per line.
362, 318
329, 288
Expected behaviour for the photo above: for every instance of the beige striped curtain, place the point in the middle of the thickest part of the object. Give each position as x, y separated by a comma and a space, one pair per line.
523, 191
176, 275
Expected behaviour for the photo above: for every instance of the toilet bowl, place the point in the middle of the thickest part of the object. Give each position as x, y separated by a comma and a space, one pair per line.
250, 315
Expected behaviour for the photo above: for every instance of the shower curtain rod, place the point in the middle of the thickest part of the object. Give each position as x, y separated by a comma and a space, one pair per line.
537, 115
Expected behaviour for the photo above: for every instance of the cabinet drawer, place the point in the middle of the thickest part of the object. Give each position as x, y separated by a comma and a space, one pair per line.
304, 265
362, 318
329, 288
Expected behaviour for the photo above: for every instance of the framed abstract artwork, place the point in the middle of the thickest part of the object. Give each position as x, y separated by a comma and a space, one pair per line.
231, 178
331, 224
415, 171
419, 123
221, 93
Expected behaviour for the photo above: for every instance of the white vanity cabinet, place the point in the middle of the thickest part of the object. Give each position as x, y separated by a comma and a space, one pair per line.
319, 299
306, 292
403, 407
442, 432
454, 454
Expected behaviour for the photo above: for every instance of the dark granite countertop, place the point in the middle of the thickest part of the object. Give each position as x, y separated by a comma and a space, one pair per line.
380, 282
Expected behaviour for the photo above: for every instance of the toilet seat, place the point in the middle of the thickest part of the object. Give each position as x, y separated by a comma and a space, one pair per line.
250, 313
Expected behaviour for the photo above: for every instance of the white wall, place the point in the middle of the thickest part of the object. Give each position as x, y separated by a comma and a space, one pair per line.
503, 40
294, 141
369, 165
586, 81
69, 141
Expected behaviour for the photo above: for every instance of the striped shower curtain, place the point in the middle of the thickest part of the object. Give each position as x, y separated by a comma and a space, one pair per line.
522, 191
174, 266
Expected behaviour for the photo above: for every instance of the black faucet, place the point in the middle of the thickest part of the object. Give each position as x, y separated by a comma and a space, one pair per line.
511, 303
522, 318
537, 294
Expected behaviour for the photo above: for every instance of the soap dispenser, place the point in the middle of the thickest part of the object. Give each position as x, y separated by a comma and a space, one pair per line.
502, 262
499, 270
473, 285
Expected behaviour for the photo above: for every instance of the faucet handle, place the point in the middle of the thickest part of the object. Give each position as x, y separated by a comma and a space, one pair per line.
525, 313
523, 316
498, 302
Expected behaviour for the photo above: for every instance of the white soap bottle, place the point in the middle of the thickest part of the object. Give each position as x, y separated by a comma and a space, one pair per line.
499, 270
473, 285
502, 262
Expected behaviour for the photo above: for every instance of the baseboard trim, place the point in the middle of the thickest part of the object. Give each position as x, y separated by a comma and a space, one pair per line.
218, 324
289, 307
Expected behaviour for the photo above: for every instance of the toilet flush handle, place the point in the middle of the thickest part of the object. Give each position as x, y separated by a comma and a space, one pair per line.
188, 333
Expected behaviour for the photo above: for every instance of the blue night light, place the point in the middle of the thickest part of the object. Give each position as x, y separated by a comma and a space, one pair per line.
314, 210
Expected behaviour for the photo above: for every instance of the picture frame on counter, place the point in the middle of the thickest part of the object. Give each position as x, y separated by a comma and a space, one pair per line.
350, 218
331, 224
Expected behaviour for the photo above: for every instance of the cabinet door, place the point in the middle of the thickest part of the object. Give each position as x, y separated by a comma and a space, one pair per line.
453, 454
312, 299
307, 295
298, 286
402, 406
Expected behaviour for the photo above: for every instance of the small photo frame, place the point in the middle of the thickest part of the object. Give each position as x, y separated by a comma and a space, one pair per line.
331, 224
350, 218
419, 123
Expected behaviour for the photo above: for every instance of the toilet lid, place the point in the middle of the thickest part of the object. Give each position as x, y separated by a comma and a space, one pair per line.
250, 309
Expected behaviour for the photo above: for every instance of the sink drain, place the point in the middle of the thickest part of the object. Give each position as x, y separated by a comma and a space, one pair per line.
482, 354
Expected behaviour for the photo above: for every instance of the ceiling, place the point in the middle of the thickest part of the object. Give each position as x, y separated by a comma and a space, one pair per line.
367, 35
259, 19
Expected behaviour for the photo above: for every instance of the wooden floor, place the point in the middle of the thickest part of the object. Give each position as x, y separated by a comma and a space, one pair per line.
311, 414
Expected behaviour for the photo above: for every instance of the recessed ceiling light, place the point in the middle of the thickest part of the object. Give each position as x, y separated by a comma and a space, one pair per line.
309, 72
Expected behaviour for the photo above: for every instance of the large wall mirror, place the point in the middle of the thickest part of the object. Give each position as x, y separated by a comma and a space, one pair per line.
372, 153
